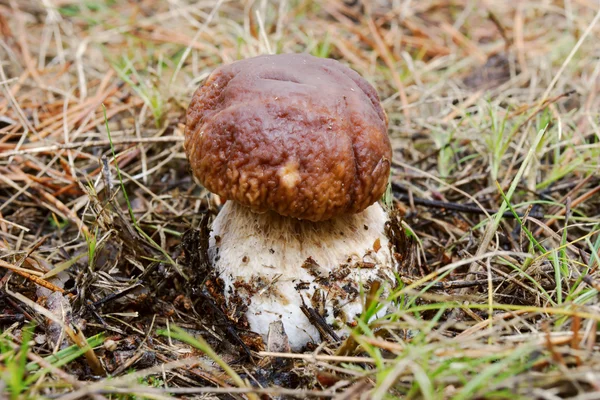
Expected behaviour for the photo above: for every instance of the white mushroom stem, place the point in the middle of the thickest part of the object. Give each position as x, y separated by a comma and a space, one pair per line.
270, 263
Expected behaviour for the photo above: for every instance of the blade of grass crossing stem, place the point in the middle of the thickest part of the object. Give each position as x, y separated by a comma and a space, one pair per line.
374, 352
556, 260
537, 244
562, 263
92, 241
491, 229
532, 240
175, 332
572, 242
523, 272
67, 353
62, 266
594, 255
495, 222
63, 357
131, 214
557, 276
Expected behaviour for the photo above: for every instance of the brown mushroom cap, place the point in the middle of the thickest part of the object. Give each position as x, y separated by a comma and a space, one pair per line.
303, 136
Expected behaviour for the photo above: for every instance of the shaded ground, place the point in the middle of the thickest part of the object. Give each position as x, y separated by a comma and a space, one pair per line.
485, 100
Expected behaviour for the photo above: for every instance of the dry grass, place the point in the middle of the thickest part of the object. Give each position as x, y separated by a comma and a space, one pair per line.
494, 119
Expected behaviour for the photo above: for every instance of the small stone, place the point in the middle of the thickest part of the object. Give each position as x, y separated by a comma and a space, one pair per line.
40, 339
110, 345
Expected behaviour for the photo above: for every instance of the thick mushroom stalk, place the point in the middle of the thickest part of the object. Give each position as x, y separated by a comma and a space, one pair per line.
271, 265
298, 146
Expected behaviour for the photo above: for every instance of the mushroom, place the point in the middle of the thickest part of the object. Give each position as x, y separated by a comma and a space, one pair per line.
298, 147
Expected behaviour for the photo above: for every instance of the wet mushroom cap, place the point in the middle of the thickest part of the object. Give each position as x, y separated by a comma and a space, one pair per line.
303, 136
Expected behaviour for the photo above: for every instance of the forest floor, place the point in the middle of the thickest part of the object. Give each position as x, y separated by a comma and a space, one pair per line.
494, 119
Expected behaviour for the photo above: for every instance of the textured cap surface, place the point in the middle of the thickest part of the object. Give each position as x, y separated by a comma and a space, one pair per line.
303, 136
